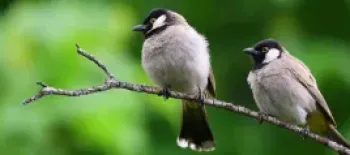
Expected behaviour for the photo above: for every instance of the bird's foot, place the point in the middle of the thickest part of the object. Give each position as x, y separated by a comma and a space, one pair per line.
261, 117
305, 132
165, 93
200, 96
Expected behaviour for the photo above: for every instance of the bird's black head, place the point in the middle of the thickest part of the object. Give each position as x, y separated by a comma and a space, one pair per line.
264, 52
157, 21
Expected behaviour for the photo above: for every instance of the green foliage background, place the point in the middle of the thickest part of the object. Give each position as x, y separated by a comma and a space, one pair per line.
37, 40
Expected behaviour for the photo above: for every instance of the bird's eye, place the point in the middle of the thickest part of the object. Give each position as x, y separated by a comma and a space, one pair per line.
265, 49
152, 20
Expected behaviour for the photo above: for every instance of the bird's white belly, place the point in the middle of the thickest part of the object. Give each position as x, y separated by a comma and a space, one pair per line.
288, 102
177, 71
284, 109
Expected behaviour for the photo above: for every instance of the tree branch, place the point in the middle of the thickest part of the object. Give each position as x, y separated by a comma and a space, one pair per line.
112, 83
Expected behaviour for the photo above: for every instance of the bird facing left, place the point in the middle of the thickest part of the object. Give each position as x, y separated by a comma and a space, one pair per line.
176, 57
284, 87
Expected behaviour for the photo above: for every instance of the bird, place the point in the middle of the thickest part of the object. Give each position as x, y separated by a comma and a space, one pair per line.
176, 57
284, 87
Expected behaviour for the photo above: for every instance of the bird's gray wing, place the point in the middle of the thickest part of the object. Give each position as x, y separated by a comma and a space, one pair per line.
304, 76
211, 87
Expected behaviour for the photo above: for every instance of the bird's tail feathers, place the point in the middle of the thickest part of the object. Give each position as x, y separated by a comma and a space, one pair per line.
334, 135
195, 131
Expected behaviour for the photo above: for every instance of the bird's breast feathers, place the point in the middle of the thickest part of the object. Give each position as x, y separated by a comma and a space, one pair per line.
178, 57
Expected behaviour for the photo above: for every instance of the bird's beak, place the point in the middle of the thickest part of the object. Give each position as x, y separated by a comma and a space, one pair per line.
250, 51
141, 28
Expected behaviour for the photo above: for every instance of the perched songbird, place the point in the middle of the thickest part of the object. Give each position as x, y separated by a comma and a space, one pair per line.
176, 57
284, 87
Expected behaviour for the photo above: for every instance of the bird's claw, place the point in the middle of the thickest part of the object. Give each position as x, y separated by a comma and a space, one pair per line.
261, 117
200, 97
305, 133
165, 93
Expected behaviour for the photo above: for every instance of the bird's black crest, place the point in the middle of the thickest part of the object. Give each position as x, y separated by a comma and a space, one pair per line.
155, 13
270, 43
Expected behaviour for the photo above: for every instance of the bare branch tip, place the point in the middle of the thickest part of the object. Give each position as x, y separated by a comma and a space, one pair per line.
42, 84
25, 102
77, 45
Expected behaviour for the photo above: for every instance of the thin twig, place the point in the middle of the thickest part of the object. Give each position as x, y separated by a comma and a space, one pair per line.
96, 61
112, 83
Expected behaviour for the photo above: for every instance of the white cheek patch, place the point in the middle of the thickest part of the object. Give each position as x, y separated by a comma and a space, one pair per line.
272, 54
159, 22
